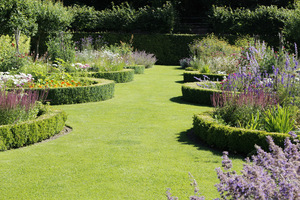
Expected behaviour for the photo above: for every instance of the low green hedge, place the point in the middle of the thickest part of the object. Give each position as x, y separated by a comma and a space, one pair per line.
232, 139
191, 92
189, 76
138, 69
123, 76
29, 132
100, 91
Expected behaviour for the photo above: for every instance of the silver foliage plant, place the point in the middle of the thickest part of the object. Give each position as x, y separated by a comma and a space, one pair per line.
268, 175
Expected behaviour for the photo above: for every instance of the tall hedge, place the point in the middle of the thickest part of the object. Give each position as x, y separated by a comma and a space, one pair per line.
168, 48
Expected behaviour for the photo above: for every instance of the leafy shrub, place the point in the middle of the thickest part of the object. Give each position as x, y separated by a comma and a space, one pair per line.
213, 54
10, 59
61, 47
185, 62
84, 18
156, 20
264, 20
279, 119
125, 18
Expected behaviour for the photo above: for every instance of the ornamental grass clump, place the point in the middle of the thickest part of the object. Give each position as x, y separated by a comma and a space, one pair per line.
17, 106
267, 175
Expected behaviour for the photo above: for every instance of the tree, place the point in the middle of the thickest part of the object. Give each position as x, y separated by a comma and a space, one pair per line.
16, 17
52, 18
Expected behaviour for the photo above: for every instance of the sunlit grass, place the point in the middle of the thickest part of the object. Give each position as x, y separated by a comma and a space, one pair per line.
133, 146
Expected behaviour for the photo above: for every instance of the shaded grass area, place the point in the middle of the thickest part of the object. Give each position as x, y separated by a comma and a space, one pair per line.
133, 146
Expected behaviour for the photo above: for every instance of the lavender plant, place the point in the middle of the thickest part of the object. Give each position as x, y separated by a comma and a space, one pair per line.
143, 58
185, 62
268, 175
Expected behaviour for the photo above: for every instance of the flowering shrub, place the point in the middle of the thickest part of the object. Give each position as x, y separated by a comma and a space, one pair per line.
268, 175
185, 62
271, 175
143, 58
213, 53
16, 106
81, 67
19, 80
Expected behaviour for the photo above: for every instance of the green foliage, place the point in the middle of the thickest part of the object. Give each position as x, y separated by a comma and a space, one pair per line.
29, 132
189, 76
125, 18
265, 21
292, 24
123, 76
237, 140
38, 70
100, 91
279, 119
210, 46
52, 18
156, 20
61, 47
119, 18
168, 48
84, 18
191, 92
138, 69
9, 58
254, 122
17, 15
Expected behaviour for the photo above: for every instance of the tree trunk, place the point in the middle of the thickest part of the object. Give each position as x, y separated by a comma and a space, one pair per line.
17, 38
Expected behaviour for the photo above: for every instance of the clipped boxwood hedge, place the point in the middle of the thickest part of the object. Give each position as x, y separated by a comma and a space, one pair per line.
232, 139
138, 69
29, 132
123, 76
188, 76
100, 91
191, 92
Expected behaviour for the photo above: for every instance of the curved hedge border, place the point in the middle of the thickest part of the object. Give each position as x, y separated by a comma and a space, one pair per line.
102, 90
29, 132
188, 76
138, 69
231, 138
123, 76
191, 92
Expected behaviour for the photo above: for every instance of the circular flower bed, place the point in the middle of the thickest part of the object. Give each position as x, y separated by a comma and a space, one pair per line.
32, 131
138, 69
234, 139
123, 76
98, 90
199, 92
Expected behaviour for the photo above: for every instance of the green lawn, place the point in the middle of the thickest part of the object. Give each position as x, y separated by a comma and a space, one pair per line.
130, 147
